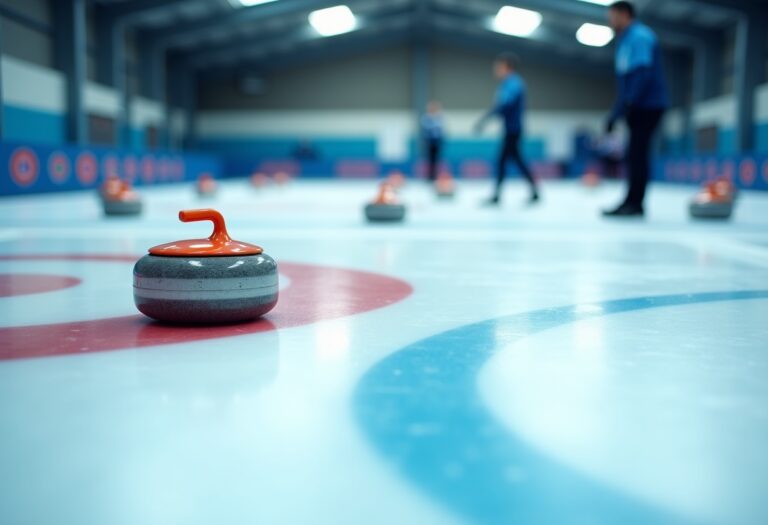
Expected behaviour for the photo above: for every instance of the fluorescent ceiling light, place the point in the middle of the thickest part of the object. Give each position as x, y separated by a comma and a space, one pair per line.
333, 20
515, 21
248, 3
594, 35
600, 2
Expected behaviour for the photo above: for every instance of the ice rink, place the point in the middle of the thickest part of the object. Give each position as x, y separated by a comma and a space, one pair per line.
470, 365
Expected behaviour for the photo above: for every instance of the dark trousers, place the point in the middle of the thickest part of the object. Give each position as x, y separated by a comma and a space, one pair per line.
433, 158
510, 150
642, 125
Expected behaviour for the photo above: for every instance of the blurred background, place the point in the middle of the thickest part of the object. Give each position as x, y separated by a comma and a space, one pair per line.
250, 85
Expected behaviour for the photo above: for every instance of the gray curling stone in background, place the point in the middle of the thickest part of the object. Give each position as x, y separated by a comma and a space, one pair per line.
205, 281
122, 207
386, 207
384, 212
710, 210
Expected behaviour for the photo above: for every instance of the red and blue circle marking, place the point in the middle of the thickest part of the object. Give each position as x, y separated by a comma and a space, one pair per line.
15, 284
111, 166
432, 383
86, 168
24, 167
59, 167
147, 169
129, 168
315, 293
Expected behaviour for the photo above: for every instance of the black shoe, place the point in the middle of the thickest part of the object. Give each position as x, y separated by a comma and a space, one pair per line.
625, 210
533, 199
492, 202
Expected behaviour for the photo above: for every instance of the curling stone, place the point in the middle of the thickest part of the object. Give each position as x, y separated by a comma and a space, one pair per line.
206, 185
112, 186
445, 187
259, 180
714, 201
123, 202
386, 207
590, 179
205, 281
282, 178
396, 179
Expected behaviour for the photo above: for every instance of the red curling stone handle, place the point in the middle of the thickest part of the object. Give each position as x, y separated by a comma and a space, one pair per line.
220, 236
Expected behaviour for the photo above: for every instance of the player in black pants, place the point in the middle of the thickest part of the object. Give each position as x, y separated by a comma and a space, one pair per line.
510, 105
641, 100
432, 129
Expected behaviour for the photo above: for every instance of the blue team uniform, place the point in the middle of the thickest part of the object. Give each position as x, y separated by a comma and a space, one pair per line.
510, 103
639, 71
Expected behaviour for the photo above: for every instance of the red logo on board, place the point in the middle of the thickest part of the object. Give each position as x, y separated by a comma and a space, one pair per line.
747, 172
129, 168
58, 167
86, 168
147, 169
24, 167
111, 166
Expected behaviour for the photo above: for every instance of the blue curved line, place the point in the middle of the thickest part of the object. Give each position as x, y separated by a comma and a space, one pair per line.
420, 409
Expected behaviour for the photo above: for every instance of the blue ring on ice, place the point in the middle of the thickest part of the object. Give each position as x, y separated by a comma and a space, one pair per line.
420, 409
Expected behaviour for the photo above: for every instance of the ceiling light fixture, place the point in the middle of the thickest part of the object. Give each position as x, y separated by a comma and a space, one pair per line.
594, 35
333, 20
516, 21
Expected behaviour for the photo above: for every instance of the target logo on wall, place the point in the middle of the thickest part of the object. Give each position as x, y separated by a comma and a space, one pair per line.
86, 168
711, 169
765, 171
129, 168
729, 170
58, 167
23, 167
747, 172
697, 170
147, 169
111, 166
178, 169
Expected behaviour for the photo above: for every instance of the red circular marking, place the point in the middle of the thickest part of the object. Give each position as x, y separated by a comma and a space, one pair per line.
13, 284
129, 168
765, 170
728, 169
147, 169
86, 168
23, 166
316, 293
747, 172
111, 166
711, 169
58, 167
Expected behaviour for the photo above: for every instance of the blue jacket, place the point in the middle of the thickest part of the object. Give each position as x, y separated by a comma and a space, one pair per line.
639, 71
432, 127
510, 103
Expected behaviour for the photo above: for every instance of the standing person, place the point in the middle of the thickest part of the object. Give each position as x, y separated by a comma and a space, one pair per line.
510, 106
432, 130
642, 99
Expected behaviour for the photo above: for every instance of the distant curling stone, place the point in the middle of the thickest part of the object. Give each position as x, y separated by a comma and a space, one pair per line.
111, 187
121, 200
590, 179
396, 179
259, 180
205, 281
714, 201
445, 186
282, 178
386, 207
206, 185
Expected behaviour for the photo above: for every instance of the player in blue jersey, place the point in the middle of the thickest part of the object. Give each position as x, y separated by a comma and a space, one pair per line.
641, 101
509, 106
433, 131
